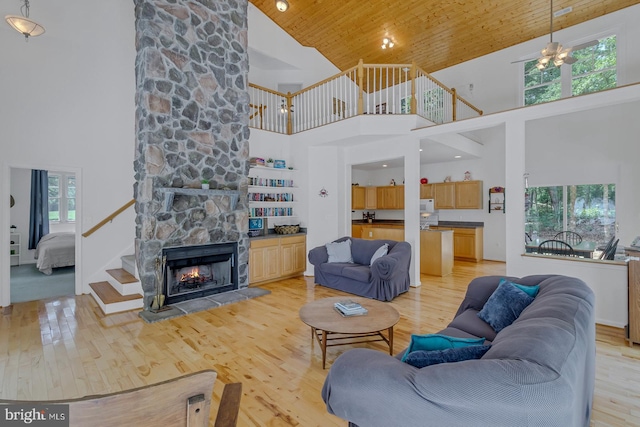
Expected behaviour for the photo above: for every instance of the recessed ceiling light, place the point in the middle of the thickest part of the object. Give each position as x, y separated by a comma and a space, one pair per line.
384, 166
457, 157
421, 149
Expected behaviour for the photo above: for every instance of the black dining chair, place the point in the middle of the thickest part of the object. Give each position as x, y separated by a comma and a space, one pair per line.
611, 253
607, 247
555, 247
571, 237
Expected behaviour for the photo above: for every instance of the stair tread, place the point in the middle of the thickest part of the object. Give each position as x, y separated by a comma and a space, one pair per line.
109, 295
122, 275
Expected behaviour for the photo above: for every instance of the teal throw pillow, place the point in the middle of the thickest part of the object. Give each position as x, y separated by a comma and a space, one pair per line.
422, 358
532, 291
504, 306
438, 342
339, 251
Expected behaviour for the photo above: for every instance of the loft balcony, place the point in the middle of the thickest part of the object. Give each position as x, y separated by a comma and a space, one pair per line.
371, 89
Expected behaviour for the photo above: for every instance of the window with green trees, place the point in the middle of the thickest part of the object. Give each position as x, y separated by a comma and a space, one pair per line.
590, 211
62, 197
594, 70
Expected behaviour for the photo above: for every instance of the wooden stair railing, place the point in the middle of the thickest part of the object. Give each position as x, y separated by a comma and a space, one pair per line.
182, 401
108, 218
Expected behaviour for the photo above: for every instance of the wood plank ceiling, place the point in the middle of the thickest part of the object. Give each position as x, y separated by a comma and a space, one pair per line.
436, 34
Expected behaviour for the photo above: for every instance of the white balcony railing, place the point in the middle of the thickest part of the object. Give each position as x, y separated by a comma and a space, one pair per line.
363, 89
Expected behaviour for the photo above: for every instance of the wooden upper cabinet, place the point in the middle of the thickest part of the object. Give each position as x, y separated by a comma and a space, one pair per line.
390, 197
358, 195
370, 198
426, 191
468, 194
400, 196
444, 195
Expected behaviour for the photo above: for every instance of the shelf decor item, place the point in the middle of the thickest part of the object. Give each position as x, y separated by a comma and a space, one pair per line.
496, 199
279, 164
269, 162
287, 229
205, 184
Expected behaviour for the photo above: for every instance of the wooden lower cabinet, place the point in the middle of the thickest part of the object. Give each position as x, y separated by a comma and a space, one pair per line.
468, 243
277, 258
356, 231
382, 231
633, 328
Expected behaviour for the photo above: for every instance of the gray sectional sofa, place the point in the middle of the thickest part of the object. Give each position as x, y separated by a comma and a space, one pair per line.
384, 279
539, 371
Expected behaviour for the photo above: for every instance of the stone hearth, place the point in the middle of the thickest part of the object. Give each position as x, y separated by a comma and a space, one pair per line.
192, 123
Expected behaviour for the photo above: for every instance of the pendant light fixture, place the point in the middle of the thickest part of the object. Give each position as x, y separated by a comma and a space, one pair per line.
23, 24
282, 5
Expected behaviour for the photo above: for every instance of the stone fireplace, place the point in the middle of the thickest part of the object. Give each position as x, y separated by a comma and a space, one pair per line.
192, 124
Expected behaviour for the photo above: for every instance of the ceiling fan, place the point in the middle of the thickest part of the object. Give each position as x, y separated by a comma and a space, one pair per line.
554, 53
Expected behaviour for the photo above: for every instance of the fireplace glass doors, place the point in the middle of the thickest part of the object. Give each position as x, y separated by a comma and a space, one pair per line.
198, 271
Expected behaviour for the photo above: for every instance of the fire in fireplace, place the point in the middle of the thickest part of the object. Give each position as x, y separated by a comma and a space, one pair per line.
198, 271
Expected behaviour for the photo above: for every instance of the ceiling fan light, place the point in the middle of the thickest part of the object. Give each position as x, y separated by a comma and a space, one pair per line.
551, 49
390, 44
540, 66
558, 62
544, 60
384, 46
563, 54
385, 41
282, 5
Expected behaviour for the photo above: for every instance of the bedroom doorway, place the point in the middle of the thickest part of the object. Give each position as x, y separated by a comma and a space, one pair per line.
53, 272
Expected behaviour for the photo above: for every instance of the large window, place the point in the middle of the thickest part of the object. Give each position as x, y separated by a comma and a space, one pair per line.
62, 198
590, 211
594, 70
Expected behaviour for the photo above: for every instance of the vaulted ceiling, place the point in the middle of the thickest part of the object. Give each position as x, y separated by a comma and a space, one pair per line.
436, 34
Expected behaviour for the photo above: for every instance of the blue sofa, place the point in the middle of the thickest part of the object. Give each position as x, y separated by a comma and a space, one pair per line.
383, 280
539, 371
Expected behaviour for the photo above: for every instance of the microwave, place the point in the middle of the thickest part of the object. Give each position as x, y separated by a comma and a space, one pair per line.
426, 205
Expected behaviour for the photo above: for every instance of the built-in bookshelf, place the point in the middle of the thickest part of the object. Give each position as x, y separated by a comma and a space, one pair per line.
271, 192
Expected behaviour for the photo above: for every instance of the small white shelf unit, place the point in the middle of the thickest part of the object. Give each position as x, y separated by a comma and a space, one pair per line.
15, 246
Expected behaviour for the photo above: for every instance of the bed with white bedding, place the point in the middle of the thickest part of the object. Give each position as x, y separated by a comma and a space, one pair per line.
55, 250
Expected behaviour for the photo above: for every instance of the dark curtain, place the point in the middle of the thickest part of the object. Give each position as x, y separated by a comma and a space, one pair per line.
39, 212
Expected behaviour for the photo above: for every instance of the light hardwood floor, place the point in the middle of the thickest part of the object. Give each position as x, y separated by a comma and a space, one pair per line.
64, 348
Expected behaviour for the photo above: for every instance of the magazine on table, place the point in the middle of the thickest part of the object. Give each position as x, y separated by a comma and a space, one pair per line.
350, 308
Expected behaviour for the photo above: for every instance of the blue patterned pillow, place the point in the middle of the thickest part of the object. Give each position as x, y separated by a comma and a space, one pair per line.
422, 358
438, 342
504, 306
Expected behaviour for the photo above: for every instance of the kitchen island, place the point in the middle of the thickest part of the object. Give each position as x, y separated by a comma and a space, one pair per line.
436, 252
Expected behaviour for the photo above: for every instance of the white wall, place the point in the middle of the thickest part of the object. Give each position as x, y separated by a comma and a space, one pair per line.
67, 104
277, 49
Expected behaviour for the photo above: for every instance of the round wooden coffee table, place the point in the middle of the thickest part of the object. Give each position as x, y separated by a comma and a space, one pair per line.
329, 325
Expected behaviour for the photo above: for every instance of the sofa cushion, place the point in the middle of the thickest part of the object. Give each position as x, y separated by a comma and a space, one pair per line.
422, 358
438, 342
339, 251
382, 251
363, 249
361, 273
504, 306
334, 268
469, 322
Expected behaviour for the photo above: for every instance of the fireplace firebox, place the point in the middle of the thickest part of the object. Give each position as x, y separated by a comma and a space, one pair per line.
198, 271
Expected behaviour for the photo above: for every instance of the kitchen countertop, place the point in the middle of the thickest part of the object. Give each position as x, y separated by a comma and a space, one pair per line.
456, 224
461, 224
273, 235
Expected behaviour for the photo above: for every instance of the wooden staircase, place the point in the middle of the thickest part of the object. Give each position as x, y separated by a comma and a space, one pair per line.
122, 291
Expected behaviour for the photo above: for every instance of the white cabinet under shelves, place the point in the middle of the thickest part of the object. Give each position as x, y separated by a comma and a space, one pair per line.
15, 246
271, 192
